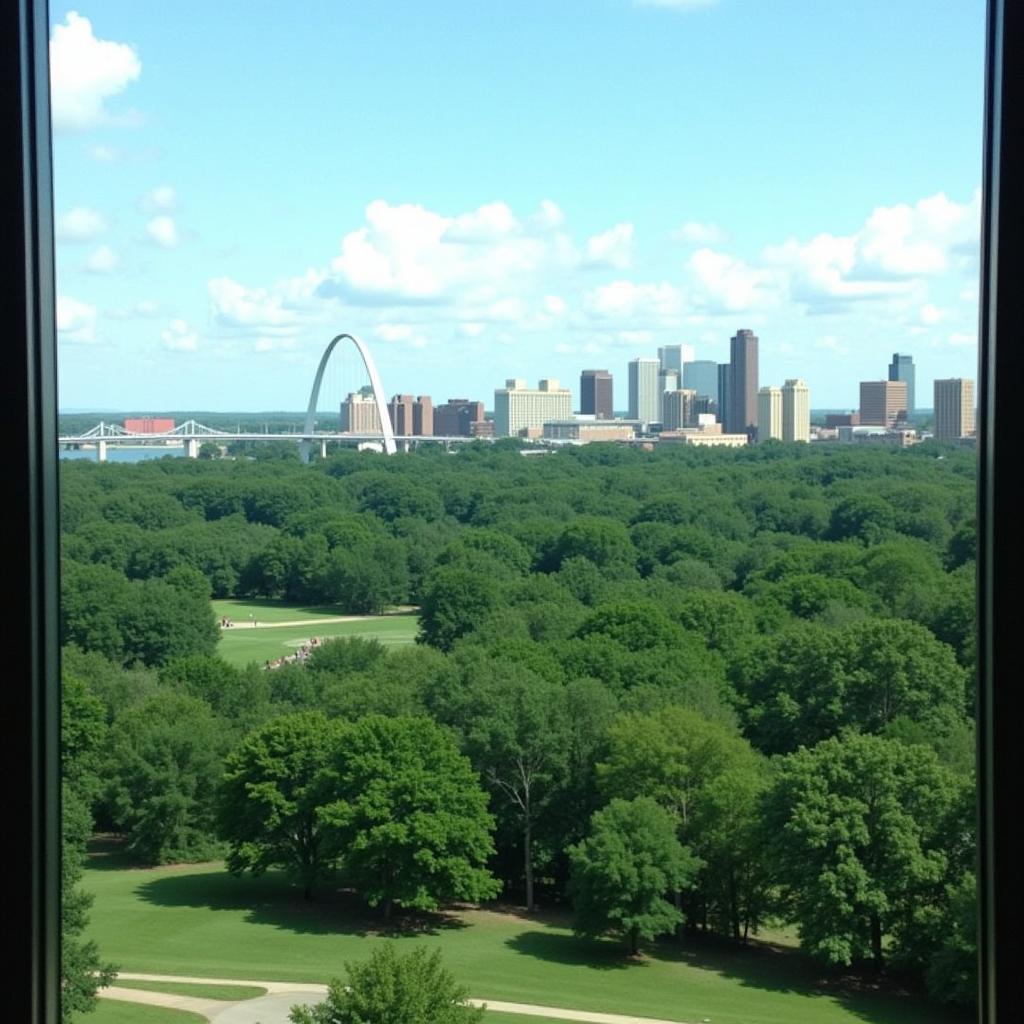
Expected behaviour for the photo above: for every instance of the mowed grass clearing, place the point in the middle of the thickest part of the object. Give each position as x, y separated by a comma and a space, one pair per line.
272, 638
199, 920
229, 993
110, 1011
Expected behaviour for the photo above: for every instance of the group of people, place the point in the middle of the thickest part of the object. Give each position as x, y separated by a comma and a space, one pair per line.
225, 623
301, 654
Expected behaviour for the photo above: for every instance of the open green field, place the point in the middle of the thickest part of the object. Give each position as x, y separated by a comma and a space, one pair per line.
110, 1012
231, 993
273, 638
198, 920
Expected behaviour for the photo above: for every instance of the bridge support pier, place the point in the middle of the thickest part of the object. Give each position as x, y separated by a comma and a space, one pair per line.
101, 450
192, 447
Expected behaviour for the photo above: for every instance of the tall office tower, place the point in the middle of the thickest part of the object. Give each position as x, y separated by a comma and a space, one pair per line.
769, 413
902, 368
883, 403
743, 384
517, 407
423, 416
675, 357
456, 417
596, 394
644, 396
359, 413
677, 409
668, 380
796, 411
400, 411
954, 407
725, 396
702, 377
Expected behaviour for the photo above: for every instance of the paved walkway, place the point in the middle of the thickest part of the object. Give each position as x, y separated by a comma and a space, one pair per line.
281, 996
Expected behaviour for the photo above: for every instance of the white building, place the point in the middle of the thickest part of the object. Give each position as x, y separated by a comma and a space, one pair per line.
644, 390
796, 411
517, 407
769, 413
359, 413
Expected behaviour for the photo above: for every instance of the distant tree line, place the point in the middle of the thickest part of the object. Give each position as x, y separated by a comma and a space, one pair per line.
690, 691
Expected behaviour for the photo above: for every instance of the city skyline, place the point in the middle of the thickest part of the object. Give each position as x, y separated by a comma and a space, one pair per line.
216, 228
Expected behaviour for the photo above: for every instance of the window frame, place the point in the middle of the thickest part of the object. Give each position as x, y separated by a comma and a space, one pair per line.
30, 516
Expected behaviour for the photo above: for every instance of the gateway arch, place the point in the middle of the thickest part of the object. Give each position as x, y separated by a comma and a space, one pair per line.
378, 395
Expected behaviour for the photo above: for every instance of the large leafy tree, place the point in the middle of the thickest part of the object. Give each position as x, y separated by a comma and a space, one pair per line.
409, 815
857, 829
388, 988
272, 791
623, 870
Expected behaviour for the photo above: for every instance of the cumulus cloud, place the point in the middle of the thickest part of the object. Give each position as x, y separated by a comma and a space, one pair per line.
931, 314
84, 73
724, 284
79, 225
627, 300
179, 337
163, 231
612, 249
76, 321
958, 338
105, 154
102, 260
393, 332
162, 197
235, 306
696, 233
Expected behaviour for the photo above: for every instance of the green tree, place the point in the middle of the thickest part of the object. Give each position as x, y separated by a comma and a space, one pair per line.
271, 796
390, 988
82, 973
454, 602
409, 816
622, 871
856, 831
165, 764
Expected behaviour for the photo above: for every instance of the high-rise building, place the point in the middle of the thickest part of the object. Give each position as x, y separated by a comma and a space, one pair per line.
423, 416
677, 409
702, 377
769, 413
954, 407
411, 416
596, 394
668, 380
724, 394
883, 403
517, 407
359, 413
902, 368
456, 418
743, 384
644, 395
796, 411
675, 357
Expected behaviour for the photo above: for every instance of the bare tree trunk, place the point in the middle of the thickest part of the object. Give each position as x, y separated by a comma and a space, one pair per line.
528, 859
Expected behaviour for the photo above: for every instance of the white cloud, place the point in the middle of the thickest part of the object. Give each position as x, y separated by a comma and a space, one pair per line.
722, 283
489, 223
102, 260
80, 224
163, 231
76, 321
471, 329
554, 305
548, 216
162, 197
831, 343
612, 248
84, 73
931, 314
626, 300
696, 233
179, 337
234, 305
393, 332
958, 338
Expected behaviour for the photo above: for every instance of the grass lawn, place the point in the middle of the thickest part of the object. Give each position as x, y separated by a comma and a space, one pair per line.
198, 920
231, 993
109, 1011
266, 610
269, 641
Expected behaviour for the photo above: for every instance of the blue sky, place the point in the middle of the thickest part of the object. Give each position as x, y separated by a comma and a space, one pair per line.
509, 188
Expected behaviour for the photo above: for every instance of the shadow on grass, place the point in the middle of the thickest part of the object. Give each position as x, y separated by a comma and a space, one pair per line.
272, 900
768, 967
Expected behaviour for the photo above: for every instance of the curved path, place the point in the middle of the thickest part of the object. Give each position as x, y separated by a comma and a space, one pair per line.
283, 995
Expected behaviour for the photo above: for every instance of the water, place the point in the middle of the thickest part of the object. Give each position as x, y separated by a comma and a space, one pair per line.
119, 453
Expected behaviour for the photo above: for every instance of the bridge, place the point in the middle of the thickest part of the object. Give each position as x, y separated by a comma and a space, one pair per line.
191, 434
